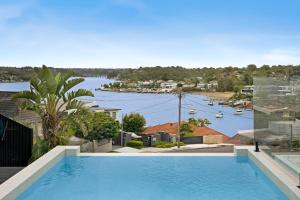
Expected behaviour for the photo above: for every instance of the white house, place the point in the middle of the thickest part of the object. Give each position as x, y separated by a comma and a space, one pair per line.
168, 86
112, 112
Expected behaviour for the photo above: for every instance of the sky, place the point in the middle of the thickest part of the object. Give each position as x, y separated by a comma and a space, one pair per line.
134, 33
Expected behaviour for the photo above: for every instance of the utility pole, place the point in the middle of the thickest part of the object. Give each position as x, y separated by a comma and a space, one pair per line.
122, 131
179, 117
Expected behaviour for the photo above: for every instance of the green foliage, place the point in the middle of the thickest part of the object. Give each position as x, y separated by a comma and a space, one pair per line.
296, 144
199, 122
50, 97
162, 144
39, 148
134, 122
238, 96
13, 74
135, 144
185, 128
204, 122
102, 127
297, 115
193, 121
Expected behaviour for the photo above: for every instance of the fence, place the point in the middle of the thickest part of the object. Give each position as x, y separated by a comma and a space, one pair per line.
15, 143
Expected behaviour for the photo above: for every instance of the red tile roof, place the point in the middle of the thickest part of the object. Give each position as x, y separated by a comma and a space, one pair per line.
172, 129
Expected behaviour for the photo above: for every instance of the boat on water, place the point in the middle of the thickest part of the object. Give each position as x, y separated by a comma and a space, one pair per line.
211, 103
221, 102
192, 112
219, 114
239, 112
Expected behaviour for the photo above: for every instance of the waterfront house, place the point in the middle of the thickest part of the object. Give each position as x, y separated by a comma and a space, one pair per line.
168, 86
94, 107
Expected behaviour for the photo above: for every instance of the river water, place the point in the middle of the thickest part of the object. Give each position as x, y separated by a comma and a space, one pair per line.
159, 108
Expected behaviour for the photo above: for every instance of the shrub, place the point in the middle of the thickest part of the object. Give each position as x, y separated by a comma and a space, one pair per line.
39, 148
161, 144
135, 144
296, 144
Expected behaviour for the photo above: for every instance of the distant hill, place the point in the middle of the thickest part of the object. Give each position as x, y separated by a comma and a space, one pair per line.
14, 74
229, 78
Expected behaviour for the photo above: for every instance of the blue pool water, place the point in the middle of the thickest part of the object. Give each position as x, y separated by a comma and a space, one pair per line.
145, 178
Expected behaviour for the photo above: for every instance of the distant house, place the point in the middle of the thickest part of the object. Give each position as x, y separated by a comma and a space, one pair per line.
172, 128
168, 86
201, 85
145, 84
212, 85
112, 112
243, 137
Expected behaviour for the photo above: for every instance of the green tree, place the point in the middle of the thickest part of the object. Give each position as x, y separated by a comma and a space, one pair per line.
50, 96
134, 122
204, 122
185, 128
193, 121
251, 67
102, 127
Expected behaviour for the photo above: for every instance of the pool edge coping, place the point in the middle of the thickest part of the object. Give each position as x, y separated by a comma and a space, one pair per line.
283, 178
17, 184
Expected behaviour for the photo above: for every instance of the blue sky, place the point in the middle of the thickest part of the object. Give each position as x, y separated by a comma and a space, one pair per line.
133, 33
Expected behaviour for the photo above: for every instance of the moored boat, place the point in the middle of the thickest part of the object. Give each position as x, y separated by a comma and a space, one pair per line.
219, 114
211, 103
238, 112
192, 112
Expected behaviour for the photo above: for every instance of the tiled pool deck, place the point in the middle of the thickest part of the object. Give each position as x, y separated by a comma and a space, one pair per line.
22, 180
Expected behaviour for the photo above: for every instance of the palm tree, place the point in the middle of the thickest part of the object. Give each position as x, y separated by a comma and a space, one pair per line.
51, 97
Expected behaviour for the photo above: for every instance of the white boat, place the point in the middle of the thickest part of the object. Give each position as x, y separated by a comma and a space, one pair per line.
192, 112
219, 115
238, 112
211, 103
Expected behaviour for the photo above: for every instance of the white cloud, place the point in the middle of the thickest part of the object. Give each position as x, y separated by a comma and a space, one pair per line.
282, 56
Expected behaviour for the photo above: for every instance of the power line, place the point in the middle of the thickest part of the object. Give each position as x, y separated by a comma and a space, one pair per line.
153, 105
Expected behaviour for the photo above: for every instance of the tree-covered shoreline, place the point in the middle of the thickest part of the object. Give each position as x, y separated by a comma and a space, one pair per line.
229, 78
21, 74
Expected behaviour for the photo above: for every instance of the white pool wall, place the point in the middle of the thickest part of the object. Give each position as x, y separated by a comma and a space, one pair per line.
14, 186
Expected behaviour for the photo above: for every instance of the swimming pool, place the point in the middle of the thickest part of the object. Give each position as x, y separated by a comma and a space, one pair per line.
154, 177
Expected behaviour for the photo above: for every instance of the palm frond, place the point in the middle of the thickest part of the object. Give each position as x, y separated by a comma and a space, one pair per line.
79, 93
71, 83
28, 95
